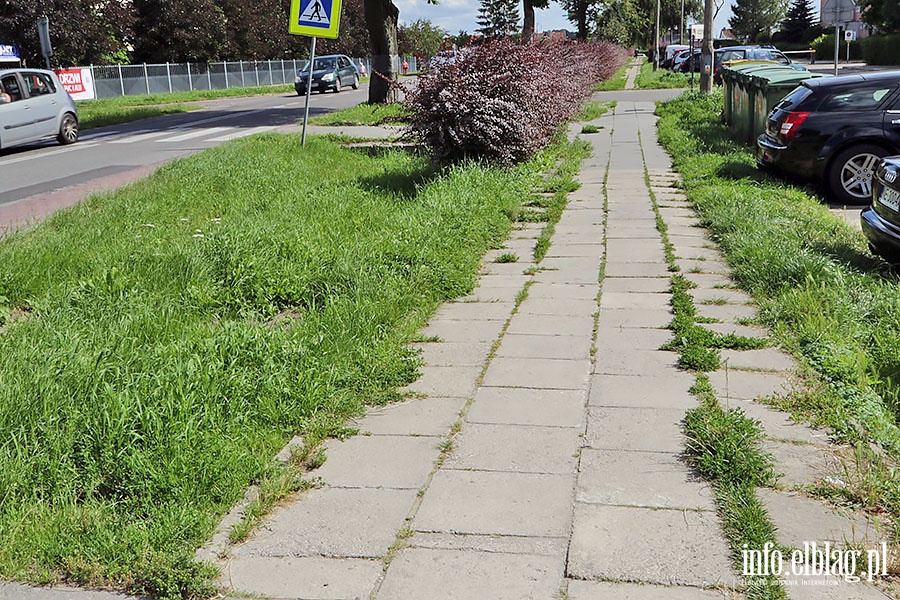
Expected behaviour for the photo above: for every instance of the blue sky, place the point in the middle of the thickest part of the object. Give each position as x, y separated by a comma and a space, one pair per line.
456, 15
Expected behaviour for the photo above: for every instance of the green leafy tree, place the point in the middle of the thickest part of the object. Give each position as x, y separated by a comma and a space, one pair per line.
632, 22
354, 36
581, 13
81, 31
528, 7
754, 20
421, 39
883, 14
498, 18
800, 17
179, 31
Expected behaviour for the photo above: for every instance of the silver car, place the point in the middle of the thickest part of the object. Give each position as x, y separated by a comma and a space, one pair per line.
33, 106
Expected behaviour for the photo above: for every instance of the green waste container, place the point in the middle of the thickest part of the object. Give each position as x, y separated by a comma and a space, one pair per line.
770, 89
741, 94
732, 82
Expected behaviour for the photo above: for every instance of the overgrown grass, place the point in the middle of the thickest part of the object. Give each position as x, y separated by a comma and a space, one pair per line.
169, 338
820, 292
661, 79
593, 110
616, 82
124, 109
366, 114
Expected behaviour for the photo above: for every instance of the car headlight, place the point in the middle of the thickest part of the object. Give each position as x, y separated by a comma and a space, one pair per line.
328, 77
298, 80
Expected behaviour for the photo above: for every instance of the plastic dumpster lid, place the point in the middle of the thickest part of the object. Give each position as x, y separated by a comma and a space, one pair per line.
786, 77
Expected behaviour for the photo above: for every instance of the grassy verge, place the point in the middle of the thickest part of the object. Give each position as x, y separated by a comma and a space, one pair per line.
661, 79
160, 344
124, 109
617, 81
821, 293
365, 114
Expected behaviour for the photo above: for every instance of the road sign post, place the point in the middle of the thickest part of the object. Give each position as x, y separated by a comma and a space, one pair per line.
43, 26
313, 18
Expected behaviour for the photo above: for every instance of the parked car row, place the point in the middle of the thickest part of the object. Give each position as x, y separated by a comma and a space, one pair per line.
686, 60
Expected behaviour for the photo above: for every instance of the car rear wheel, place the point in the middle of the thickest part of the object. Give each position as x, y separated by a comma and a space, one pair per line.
355, 85
68, 130
851, 172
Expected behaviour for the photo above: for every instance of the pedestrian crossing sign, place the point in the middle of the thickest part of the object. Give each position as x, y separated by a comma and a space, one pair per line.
315, 18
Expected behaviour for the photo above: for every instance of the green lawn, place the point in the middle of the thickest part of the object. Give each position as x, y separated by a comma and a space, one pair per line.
159, 344
661, 78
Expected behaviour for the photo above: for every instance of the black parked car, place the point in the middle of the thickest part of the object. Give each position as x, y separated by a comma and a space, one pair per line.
834, 130
881, 221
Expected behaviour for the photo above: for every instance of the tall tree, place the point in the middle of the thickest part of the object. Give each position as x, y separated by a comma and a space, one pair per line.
381, 21
179, 31
755, 18
800, 17
81, 31
632, 22
354, 36
581, 13
498, 18
528, 7
883, 14
421, 39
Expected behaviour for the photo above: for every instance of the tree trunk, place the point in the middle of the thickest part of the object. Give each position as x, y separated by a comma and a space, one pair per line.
381, 21
581, 18
528, 25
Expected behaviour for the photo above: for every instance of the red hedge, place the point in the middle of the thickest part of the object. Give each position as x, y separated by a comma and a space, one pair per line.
502, 101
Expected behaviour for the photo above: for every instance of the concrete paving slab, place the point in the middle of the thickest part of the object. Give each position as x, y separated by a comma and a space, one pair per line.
428, 417
596, 250
646, 391
304, 577
18, 591
644, 479
446, 381
564, 291
727, 313
493, 293
336, 522
708, 280
623, 250
636, 269
464, 331
762, 359
632, 230
752, 331
625, 361
551, 325
670, 547
545, 346
383, 461
454, 354
702, 254
746, 385
643, 285
522, 406
506, 544
515, 449
505, 269
779, 425
702, 266
719, 295
801, 464
631, 338
567, 275
799, 519
637, 317
419, 573
596, 590
496, 503
474, 311
538, 373
558, 307
610, 299
636, 429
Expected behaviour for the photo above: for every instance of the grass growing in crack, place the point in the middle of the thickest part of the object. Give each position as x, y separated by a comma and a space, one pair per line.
508, 257
821, 293
724, 447
181, 330
590, 129
560, 182
591, 110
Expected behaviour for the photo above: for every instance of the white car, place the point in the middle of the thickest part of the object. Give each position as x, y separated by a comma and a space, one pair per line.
33, 106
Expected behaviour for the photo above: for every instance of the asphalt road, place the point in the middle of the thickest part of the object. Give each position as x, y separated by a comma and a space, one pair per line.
105, 157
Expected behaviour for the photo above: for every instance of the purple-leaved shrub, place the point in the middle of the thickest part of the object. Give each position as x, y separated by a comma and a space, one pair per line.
501, 101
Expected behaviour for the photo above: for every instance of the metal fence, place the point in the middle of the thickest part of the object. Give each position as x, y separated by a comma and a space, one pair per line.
131, 80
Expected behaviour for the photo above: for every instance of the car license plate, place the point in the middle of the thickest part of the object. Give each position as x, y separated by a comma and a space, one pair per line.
891, 198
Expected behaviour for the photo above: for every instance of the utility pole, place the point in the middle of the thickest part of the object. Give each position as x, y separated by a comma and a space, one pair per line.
681, 26
656, 40
706, 50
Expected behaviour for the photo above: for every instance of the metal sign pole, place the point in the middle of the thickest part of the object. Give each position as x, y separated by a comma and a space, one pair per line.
312, 57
